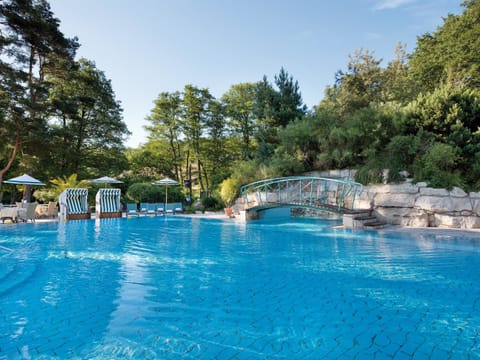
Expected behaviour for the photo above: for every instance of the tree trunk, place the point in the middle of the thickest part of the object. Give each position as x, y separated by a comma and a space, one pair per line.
200, 179
10, 161
207, 186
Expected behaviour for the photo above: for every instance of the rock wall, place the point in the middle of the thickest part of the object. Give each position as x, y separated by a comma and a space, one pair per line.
417, 205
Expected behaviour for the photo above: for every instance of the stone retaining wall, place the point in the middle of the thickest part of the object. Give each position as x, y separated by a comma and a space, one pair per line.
416, 205
420, 206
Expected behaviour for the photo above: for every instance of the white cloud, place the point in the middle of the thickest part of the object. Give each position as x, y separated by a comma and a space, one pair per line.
391, 4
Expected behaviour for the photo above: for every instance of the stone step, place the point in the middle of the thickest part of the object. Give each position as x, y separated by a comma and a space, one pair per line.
364, 217
374, 224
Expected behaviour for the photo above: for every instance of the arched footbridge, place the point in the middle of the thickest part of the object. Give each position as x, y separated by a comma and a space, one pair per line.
326, 194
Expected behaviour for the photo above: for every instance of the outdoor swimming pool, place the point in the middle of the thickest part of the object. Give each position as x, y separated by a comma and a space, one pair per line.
177, 287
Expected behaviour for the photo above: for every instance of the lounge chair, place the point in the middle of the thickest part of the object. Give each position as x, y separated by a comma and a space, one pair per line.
52, 211
147, 208
178, 208
46, 210
159, 208
169, 209
151, 209
132, 209
28, 213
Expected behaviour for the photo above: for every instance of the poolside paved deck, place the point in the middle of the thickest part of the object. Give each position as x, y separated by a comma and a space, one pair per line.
390, 228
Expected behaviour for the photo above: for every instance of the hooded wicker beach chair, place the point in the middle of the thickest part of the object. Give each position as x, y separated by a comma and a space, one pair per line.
74, 204
107, 203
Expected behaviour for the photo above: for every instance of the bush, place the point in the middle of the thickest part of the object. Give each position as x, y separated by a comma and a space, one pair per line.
146, 192
45, 195
401, 152
369, 174
438, 166
211, 203
229, 190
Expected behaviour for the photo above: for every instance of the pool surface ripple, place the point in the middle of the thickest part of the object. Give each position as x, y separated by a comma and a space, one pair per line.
177, 287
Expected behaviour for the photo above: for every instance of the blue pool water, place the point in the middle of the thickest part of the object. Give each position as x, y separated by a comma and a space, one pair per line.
182, 288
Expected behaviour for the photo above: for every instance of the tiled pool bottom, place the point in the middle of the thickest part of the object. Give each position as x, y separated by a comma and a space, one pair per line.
173, 287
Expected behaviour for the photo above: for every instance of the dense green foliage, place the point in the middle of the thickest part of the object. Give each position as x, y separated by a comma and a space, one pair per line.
419, 116
147, 192
58, 116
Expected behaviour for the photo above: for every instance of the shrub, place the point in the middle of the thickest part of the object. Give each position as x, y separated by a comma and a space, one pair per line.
401, 152
146, 192
438, 166
211, 203
369, 174
229, 190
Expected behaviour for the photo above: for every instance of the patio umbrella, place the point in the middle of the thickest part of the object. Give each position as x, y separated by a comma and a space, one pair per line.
25, 179
166, 182
106, 180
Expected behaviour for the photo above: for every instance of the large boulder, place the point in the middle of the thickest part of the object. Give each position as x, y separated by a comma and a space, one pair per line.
404, 200
404, 188
443, 204
456, 222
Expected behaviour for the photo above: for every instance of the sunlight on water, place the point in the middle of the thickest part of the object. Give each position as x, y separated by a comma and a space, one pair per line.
174, 287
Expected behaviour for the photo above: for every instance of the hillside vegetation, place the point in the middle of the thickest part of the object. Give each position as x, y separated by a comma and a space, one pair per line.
419, 114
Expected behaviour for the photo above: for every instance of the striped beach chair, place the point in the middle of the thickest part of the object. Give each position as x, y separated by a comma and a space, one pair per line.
107, 203
74, 204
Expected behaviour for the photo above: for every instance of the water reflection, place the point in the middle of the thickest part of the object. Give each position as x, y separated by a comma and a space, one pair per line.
196, 288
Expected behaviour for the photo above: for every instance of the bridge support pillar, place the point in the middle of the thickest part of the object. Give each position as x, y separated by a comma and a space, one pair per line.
248, 215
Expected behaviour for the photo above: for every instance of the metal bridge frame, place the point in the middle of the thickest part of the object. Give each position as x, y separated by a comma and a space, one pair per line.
327, 194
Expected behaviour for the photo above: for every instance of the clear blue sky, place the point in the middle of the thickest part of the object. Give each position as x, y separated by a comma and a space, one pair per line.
146, 47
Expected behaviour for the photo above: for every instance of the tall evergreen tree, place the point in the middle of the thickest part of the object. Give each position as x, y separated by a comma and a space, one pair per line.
290, 103
450, 54
30, 44
358, 87
88, 124
275, 109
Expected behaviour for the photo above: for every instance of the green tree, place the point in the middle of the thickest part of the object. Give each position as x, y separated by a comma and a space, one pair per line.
450, 54
150, 161
165, 118
357, 88
290, 103
31, 44
195, 111
275, 109
298, 142
397, 85
229, 191
451, 116
239, 102
215, 153
266, 103
87, 122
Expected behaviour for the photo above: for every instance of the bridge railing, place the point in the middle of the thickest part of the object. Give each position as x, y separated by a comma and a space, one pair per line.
315, 192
